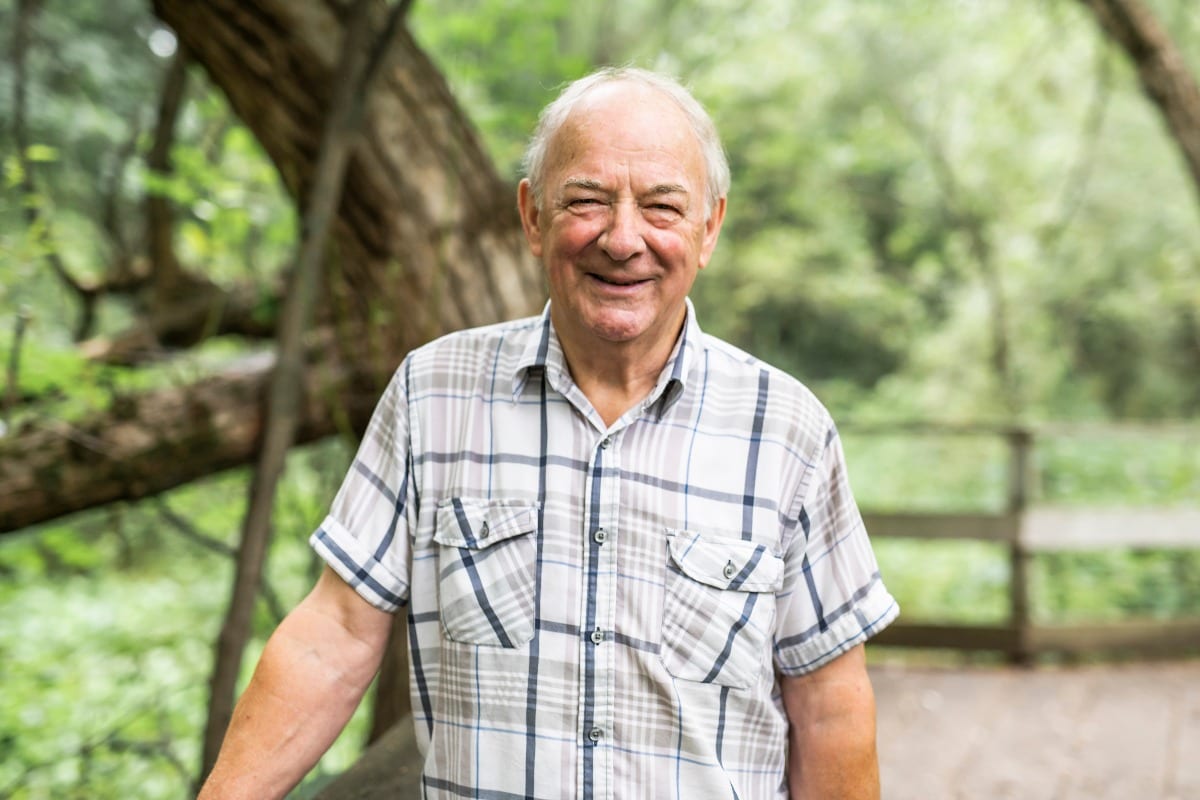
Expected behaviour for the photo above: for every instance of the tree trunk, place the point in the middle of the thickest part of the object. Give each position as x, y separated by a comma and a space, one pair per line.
389, 769
426, 240
1161, 68
428, 235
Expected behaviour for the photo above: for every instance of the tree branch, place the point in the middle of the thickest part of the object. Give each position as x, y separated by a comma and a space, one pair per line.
189, 531
110, 217
1080, 172
148, 443
35, 218
964, 216
1162, 70
160, 222
214, 545
14, 367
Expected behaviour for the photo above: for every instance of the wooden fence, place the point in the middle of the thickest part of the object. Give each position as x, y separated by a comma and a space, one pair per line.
1027, 528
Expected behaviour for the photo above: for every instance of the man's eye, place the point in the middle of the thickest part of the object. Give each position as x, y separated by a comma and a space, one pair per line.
583, 202
664, 210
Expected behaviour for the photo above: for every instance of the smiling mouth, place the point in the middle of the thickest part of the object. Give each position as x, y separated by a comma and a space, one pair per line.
618, 281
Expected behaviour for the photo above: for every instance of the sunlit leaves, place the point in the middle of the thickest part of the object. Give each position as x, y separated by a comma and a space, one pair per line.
41, 153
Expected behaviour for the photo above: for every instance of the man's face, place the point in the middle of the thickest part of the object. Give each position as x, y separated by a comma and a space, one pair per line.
621, 227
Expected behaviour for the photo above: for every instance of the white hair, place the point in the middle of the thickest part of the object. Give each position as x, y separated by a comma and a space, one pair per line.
555, 114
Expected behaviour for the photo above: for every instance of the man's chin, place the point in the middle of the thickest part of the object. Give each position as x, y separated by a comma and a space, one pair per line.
614, 327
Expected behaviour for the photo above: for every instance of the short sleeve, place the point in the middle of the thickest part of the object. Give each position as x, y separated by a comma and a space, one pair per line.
833, 597
365, 537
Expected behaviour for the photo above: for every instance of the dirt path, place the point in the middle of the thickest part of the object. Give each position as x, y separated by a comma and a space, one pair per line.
1124, 732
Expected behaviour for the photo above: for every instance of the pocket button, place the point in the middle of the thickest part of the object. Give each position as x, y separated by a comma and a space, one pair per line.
728, 571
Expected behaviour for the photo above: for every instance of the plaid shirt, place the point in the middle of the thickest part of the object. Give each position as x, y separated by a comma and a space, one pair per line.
601, 611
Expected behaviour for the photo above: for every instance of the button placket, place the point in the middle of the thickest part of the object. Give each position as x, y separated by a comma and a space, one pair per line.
598, 635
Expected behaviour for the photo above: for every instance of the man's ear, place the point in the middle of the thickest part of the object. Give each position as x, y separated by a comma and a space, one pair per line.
530, 219
712, 231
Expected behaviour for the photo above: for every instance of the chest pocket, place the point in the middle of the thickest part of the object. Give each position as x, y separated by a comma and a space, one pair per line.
719, 608
487, 568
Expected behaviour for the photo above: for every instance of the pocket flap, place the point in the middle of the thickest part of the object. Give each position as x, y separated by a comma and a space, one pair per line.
726, 563
477, 524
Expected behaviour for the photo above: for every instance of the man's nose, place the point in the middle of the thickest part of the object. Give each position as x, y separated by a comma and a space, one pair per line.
622, 238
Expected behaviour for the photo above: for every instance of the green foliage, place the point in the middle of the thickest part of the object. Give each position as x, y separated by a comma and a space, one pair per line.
92, 87
1116, 584
112, 617
887, 158
503, 60
1144, 469
239, 224
895, 472
959, 582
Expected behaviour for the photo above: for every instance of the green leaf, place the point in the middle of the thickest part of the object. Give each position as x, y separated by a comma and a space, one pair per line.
41, 153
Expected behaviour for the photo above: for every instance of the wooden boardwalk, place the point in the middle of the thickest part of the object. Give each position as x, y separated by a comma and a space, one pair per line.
1111, 732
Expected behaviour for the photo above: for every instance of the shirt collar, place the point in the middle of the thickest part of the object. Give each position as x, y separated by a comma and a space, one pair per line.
542, 352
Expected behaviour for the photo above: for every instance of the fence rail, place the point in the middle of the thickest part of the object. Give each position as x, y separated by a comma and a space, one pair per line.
1026, 529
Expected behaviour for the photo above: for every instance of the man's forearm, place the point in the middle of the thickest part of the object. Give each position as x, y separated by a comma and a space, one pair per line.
832, 753
309, 680
834, 760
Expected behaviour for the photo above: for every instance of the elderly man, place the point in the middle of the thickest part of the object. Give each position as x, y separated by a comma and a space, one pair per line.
631, 559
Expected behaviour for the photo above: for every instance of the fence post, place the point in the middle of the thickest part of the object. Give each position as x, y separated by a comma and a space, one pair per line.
1020, 488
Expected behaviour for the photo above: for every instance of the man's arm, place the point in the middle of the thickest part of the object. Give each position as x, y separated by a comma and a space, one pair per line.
310, 678
831, 715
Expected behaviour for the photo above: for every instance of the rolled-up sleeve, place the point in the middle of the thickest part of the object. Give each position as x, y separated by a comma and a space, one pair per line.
833, 596
365, 537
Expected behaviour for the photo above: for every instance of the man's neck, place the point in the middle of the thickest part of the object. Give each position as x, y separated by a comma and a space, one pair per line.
616, 376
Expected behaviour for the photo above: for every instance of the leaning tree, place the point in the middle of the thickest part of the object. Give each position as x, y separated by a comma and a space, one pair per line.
424, 240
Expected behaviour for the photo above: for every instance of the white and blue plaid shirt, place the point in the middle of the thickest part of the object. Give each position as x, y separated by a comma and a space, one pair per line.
603, 611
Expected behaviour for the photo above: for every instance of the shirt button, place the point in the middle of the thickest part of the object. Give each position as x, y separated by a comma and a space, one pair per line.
605, 442
600, 536
728, 571
484, 531
597, 636
595, 734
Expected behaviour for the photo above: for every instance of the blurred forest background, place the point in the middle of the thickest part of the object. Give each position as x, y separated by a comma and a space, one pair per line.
942, 210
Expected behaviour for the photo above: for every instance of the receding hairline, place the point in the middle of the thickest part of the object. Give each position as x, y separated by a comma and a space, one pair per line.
578, 95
